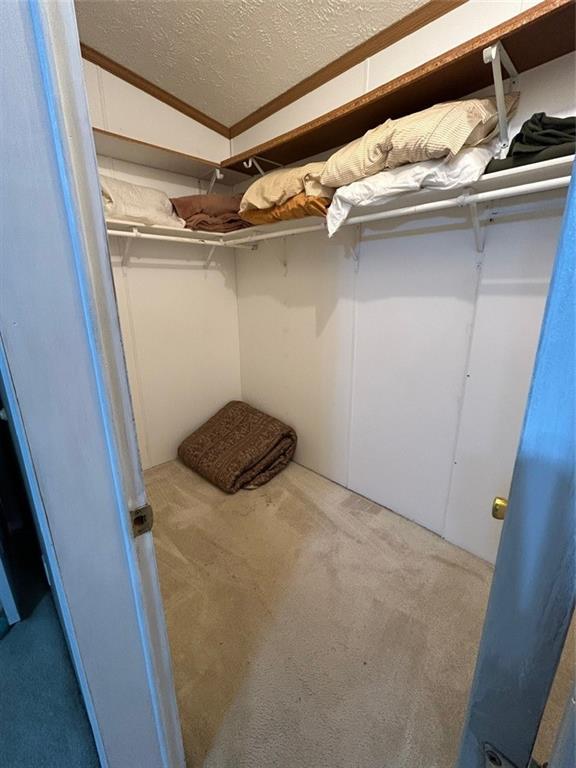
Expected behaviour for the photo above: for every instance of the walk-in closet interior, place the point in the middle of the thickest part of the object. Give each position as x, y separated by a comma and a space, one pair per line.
388, 317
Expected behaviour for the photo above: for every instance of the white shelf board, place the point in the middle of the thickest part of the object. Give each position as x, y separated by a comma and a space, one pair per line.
153, 156
526, 174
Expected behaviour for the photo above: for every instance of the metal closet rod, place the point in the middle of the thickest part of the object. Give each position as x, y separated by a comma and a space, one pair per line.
135, 233
457, 202
467, 199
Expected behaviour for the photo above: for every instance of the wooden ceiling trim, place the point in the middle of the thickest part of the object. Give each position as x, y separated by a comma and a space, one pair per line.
119, 70
543, 32
387, 37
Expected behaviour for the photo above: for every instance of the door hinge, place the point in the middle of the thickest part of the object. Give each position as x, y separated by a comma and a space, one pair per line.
142, 519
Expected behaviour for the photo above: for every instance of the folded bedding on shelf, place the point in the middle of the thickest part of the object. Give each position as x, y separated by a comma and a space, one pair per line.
297, 207
541, 137
227, 222
278, 187
135, 202
440, 131
443, 174
239, 447
210, 213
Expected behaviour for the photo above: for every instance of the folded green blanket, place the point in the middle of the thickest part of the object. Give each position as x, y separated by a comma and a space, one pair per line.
541, 138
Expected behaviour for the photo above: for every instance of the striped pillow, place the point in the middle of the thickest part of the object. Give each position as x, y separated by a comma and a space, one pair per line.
440, 131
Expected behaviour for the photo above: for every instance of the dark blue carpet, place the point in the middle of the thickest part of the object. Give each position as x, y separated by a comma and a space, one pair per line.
43, 723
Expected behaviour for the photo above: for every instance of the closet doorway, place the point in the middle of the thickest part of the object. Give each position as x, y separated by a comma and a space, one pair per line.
309, 624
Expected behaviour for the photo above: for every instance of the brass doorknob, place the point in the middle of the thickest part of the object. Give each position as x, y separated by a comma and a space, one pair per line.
499, 507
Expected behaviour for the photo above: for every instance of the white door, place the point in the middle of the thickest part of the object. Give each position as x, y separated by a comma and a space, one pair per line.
67, 395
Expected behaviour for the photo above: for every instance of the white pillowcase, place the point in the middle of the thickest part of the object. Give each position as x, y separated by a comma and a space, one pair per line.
446, 173
134, 202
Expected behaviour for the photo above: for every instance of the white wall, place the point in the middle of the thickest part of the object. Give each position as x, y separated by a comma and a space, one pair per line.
414, 306
426, 353
512, 293
295, 304
121, 108
179, 327
368, 366
406, 381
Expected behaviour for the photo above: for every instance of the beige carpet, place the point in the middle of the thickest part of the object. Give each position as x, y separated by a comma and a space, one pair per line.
311, 628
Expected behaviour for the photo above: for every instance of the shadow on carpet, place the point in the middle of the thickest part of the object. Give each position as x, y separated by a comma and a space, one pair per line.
43, 723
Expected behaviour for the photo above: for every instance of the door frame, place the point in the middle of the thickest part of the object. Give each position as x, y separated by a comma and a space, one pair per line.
67, 395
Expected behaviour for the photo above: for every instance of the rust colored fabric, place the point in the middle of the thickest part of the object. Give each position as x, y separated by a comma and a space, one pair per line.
227, 222
239, 447
210, 213
297, 207
212, 205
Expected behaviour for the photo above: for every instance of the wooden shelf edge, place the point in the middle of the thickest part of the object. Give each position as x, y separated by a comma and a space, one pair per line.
540, 34
290, 146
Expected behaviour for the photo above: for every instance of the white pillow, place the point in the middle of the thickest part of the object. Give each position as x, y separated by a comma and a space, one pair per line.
134, 202
446, 173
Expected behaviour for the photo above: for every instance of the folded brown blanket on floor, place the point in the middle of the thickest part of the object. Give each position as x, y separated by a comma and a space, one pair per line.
210, 213
239, 447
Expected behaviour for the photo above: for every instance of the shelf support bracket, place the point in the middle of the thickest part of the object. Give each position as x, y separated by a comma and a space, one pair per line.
217, 175
479, 234
356, 248
497, 56
126, 251
210, 257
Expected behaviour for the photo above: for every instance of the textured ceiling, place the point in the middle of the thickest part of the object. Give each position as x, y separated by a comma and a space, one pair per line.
229, 57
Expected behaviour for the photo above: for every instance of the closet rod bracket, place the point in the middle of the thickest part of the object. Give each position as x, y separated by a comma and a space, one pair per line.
498, 57
126, 252
356, 247
210, 257
479, 234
